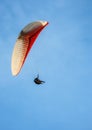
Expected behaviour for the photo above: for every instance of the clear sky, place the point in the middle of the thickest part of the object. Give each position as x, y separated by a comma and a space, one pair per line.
62, 55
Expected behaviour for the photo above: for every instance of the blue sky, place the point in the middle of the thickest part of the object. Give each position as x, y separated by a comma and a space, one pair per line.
62, 55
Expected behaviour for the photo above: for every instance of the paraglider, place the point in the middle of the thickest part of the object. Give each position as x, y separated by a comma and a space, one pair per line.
38, 81
24, 43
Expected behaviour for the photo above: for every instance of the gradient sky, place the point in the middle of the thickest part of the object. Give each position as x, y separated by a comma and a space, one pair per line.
62, 55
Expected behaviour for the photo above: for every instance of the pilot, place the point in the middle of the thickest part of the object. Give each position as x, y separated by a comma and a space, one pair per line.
38, 81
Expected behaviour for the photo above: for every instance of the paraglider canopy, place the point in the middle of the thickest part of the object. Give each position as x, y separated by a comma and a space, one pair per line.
24, 43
